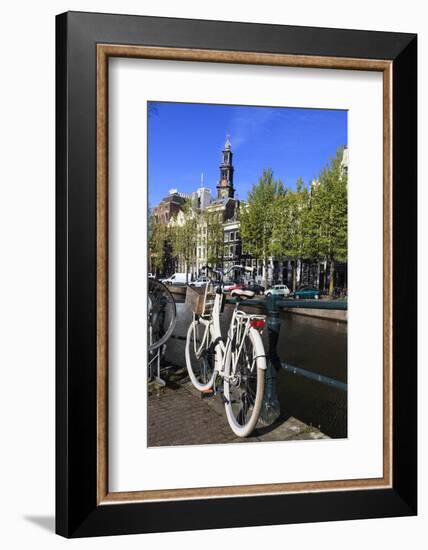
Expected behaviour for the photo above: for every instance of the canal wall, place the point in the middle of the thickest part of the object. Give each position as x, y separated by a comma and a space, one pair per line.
332, 314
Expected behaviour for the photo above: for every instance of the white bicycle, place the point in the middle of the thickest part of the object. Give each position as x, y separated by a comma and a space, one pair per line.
240, 361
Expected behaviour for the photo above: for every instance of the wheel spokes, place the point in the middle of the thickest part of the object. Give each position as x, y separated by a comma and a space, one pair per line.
161, 314
202, 364
243, 383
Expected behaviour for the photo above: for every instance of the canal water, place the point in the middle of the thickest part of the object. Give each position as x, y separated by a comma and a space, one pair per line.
316, 345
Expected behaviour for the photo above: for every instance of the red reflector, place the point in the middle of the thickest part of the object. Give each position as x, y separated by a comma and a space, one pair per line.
257, 323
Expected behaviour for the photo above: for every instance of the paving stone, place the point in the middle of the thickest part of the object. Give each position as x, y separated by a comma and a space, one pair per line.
178, 416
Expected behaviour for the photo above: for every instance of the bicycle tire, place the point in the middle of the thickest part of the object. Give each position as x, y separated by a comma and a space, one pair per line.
237, 401
201, 371
161, 312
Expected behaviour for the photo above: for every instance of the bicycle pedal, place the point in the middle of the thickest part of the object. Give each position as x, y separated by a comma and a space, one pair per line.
207, 394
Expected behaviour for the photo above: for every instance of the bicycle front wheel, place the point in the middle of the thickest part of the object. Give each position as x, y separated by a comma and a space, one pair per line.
244, 382
161, 314
199, 356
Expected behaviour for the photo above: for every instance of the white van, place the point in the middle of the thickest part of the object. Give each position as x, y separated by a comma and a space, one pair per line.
176, 279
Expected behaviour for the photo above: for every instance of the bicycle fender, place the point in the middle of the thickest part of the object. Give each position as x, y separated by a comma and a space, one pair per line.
260, 349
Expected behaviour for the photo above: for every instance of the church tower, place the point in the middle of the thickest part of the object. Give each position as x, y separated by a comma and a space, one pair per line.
225, 187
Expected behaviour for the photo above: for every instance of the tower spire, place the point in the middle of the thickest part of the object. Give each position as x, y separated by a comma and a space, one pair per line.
225, 187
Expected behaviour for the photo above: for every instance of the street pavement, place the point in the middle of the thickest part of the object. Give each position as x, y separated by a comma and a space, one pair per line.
178, 415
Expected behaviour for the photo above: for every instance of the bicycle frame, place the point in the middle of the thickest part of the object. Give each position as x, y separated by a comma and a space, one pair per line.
240, 360
240, 323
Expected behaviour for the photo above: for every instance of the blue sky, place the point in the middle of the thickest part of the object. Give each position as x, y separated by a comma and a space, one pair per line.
186, 140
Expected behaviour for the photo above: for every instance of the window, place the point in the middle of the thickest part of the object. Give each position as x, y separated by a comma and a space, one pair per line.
226, 237
232, 236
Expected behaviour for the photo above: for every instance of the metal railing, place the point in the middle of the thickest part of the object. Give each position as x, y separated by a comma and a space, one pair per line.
272, 303
273, 306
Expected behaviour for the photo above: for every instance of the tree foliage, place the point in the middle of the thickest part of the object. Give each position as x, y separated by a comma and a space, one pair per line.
328, 216
290, 220
298, 224
159, 239
215, 239
183, 237
257, 222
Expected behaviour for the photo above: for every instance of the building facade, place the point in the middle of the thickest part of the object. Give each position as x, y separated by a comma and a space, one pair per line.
169, 207
218, 241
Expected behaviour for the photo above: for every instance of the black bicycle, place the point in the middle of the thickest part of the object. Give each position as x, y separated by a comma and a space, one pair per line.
162, 315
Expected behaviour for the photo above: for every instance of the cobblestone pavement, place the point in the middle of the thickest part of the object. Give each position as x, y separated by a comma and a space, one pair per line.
177, 415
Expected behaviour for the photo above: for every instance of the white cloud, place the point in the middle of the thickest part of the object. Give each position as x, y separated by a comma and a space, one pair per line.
247, 123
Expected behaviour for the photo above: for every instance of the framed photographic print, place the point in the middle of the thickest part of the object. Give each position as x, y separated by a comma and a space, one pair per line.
236, 244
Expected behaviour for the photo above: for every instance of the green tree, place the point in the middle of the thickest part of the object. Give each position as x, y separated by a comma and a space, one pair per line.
159, 238
183, 236
257, 221
215, 240
290, 225
328, 216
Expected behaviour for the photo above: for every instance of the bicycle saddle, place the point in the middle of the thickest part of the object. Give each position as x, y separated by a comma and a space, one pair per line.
243, 293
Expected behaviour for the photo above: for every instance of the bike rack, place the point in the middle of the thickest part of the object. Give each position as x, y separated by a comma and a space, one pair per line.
156, 378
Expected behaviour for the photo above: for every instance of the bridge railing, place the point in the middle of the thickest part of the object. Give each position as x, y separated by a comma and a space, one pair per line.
271, 303
273, 306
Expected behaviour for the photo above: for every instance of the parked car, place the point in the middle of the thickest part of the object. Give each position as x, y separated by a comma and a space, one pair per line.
232, 286
200, 281
307, 292
278, 290
253, 287
176, 279
258, 289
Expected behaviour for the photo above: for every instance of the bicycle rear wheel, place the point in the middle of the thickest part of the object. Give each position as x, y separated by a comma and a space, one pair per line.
161, 314
244, 383
200, 356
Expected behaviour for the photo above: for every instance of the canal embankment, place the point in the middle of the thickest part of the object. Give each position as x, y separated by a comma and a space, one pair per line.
330, 314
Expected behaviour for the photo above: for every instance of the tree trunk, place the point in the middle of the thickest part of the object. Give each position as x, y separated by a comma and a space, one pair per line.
265, 271
324, 281
318, 276
294, 274
331, 282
